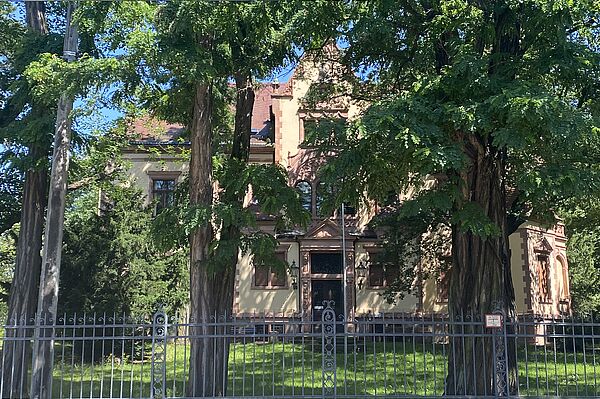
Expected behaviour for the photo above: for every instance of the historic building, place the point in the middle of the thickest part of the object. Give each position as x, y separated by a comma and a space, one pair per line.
331, 259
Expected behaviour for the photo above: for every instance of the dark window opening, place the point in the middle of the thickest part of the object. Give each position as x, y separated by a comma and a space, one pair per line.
376, 275
382, 274
163, 191
305, 191
349, 210
543, 274
270, 276
326, 263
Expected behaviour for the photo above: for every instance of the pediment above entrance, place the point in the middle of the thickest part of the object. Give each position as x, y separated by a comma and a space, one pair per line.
541, 244
325, 229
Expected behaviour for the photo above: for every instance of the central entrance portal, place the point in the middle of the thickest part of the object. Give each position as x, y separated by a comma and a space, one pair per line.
326, 270
327, 290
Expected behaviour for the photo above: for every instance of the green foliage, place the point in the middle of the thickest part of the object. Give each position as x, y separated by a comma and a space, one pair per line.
109, 263
582, 220
11, 182
274, 200
25, 123
584, 271
444, 77
8, 248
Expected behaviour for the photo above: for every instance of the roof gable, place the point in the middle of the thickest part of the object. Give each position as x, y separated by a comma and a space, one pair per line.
325, 229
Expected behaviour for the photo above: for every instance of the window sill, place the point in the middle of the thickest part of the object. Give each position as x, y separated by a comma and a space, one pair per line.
269, 288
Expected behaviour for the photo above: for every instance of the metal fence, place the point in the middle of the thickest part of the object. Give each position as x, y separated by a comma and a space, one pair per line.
378, 355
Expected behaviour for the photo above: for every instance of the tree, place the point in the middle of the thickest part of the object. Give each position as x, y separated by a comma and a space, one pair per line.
11, 188
485, 98
110, 264
41, 378
31, 76
582, 218
252, 47
27, 146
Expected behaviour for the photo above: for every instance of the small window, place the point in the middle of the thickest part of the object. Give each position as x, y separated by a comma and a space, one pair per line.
305, 191
163, 193
543, 275
270, 277
376, 275
382, 274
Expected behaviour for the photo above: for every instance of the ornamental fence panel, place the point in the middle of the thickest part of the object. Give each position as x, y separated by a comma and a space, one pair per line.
252, 356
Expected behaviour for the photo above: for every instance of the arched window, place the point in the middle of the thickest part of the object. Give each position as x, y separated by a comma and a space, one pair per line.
305, 190
564, 276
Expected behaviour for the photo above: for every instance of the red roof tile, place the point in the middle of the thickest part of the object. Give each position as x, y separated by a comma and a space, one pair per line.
261, 113
151, 130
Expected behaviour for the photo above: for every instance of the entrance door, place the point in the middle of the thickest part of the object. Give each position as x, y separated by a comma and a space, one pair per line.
326, 290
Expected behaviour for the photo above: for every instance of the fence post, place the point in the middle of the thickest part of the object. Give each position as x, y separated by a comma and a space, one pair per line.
328, 348
501, 360
158, 373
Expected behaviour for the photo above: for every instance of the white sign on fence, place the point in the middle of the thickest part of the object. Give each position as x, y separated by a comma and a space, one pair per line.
493, 321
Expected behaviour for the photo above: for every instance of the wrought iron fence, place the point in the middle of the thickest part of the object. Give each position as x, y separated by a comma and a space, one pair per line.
379, 355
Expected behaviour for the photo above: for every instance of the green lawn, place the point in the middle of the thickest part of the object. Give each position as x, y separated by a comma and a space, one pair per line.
295, 369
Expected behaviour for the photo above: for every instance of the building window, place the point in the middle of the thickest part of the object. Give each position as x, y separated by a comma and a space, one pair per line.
266, 276
382, 274
317, 132
326, 263
324, 193
349, 210
305, 191
162, 193
543, 275
564, 287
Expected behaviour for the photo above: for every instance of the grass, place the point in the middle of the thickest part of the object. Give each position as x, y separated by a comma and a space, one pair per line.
404, 367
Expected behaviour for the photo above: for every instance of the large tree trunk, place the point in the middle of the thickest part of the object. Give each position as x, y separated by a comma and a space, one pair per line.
43, 352
225, 279
212, 291
480, 280
16, 352
201, 299
243, 118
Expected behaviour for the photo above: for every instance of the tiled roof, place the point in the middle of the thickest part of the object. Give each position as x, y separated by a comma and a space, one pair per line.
261, 113
149, 131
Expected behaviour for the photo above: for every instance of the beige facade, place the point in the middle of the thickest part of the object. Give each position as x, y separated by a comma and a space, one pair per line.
145, 167
328, 255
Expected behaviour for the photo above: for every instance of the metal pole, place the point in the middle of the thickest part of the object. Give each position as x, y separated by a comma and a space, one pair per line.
344, 289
